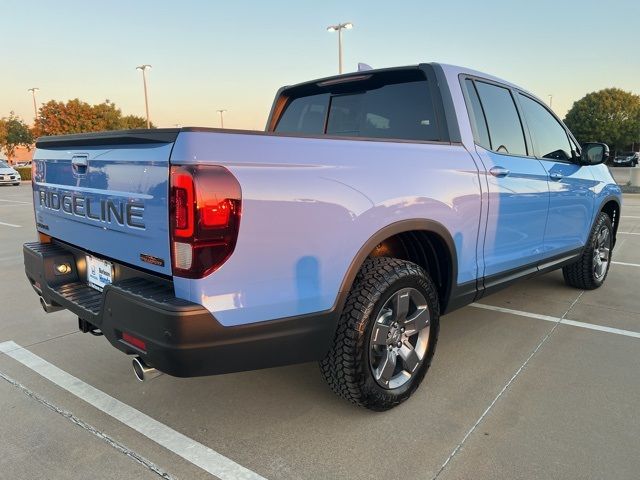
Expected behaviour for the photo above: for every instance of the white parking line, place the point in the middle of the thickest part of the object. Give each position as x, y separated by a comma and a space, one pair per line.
629, 233
626, 264
629, 216
15, 201
565, 321
16, 205
11, 225
192, 451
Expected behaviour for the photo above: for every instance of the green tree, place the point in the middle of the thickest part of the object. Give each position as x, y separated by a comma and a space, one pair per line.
76, 116
611, 116
13, 134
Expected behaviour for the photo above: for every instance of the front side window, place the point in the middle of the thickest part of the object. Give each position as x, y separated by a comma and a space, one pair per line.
550, 140
391, 109
503, 121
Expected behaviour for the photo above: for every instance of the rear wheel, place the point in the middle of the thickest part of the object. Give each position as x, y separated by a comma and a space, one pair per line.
591, 270
386, 336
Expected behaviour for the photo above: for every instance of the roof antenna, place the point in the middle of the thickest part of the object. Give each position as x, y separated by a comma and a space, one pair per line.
362, 67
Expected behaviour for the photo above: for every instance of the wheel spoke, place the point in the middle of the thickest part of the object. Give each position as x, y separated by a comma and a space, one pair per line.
401, 306
387, 366
600, 267
418, 321
409, 357
380, 334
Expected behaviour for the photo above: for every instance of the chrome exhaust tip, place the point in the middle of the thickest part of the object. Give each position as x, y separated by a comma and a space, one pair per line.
142, 371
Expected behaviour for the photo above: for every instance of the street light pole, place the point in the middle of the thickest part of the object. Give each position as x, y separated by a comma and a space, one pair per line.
338, 28
33, 91
550, 101
221, 111
143, 69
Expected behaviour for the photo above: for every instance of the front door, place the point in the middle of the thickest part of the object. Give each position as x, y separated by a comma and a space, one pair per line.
572, 196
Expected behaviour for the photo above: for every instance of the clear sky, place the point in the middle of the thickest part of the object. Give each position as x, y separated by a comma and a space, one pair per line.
208, 55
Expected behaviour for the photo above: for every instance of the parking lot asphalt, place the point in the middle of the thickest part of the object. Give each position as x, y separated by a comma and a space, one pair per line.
539, 381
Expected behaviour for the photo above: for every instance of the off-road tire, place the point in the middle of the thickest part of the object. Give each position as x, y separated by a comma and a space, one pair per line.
581, 274
346, 367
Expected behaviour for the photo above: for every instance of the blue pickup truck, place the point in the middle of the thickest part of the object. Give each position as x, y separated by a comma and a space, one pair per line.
374, 203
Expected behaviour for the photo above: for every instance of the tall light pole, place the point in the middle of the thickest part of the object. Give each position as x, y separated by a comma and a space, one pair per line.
338, 28
221, 111
550, 101
33, 91
143, 69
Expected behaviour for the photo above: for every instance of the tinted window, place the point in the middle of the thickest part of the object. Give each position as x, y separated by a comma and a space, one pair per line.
401, 110
478, 123
549, 138
505, 129
305, 115
398, 107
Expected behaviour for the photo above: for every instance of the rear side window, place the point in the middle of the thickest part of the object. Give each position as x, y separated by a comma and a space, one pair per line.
503, 121
550, 140
394, 110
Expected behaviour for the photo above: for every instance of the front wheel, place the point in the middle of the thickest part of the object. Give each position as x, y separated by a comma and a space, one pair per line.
386, 336
591, 269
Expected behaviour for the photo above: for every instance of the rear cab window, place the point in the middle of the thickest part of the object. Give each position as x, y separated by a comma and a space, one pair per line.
384, 105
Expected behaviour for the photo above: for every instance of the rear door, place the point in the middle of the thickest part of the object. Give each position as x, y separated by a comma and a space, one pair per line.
572, 198
107, 193
516, 182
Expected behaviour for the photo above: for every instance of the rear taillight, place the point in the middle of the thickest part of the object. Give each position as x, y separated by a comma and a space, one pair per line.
205, 207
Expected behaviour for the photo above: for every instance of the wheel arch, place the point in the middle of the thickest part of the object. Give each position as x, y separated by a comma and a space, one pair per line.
425, 242
611, 206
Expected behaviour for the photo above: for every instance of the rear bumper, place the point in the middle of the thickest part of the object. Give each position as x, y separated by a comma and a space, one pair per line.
182, 338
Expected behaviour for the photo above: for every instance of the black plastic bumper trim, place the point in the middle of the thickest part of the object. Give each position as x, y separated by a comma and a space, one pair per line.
182, 338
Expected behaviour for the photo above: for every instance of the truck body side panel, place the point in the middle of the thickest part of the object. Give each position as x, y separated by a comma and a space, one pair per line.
309, 205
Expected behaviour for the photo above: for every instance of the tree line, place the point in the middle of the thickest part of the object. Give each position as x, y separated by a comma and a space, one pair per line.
61, 118
611, 116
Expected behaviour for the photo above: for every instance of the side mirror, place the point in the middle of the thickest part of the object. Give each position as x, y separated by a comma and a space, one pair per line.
594, 153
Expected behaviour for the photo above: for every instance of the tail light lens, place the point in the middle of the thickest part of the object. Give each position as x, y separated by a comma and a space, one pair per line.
205, 208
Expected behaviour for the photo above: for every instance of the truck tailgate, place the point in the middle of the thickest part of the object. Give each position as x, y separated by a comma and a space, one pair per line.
107, 193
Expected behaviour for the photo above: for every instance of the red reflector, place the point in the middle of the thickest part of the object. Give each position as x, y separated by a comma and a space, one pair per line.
136, 342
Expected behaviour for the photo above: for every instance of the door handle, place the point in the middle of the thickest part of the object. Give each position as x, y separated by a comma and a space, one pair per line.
499, 172
556, 176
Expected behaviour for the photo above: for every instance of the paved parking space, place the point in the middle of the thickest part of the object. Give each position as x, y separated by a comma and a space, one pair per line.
510, 395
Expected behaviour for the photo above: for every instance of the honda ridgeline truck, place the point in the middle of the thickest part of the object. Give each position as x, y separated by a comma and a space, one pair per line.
374, 203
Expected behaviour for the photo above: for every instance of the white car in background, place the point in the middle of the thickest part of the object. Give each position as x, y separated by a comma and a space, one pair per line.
8, 175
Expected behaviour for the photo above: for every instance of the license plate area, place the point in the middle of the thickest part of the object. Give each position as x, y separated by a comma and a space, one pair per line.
99, 272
